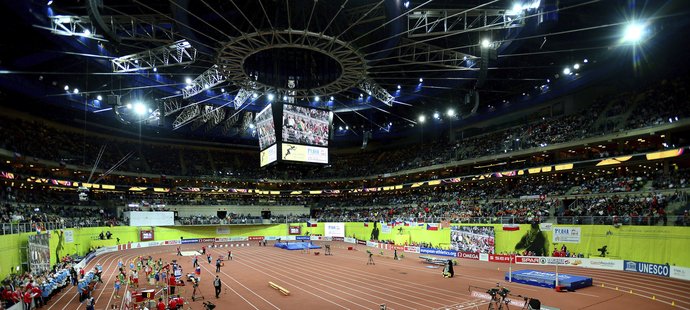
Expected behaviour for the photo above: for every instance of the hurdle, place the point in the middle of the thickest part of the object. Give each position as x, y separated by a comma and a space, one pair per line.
279, 288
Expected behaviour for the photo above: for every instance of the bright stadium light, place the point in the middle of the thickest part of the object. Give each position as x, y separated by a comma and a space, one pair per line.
436, 115
486, 43
270, 97
317, 98
87, 32
421, 80
155, 69
255, 95
139, 108
633, 32
567, 71
222, 90
398, 86
76, 90
129, 106
451, 112
422, 119
284, 98
66, 87
331, 98
99, 97
576, 66
188, 80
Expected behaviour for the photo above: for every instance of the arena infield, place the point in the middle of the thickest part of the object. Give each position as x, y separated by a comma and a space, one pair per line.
345, 281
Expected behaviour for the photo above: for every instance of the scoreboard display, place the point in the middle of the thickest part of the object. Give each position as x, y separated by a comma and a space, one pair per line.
304, 134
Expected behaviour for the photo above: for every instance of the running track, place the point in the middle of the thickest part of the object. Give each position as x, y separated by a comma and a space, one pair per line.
344, 281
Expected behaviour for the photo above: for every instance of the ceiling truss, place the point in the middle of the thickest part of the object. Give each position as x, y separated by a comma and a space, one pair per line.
424, 23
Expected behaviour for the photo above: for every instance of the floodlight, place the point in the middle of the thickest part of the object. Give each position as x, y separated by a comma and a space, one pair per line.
340, 127
129, 106
633, 32
270, 97
422, 118
284, 98
50, 2
251, 126
76, 90
155, 69
66, 87
576, 66
406, 4
398, 86
99, 97
567, 71
586, 60
255, 95
486, 43
188, 80
421, 80
347, 127
331, 98
222, 90
436, 115
451, 112
317, 98
87, 32
139, 108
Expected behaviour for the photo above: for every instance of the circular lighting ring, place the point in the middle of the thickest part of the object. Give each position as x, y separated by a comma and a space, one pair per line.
233, 54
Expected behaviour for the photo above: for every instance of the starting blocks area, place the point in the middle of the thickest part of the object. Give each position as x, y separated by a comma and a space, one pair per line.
548, 279
296, 246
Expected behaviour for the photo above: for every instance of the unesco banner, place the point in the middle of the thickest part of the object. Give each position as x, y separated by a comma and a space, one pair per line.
648, 268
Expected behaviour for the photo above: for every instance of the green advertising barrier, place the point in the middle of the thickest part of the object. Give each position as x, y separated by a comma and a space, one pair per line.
655, 244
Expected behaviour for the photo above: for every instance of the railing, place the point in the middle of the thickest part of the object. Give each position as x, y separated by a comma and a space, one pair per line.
24, 227
624, 220
15, 228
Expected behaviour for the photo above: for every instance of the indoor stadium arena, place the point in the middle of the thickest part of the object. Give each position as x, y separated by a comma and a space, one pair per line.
345, 154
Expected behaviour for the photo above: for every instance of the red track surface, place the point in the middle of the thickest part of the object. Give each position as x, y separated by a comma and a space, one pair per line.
344, 281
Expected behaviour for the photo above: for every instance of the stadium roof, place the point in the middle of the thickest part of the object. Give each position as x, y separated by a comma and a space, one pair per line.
197, 67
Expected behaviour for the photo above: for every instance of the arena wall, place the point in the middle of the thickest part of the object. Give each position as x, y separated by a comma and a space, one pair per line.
655, 244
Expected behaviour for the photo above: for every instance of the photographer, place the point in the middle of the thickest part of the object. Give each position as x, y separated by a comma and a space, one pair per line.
195, 285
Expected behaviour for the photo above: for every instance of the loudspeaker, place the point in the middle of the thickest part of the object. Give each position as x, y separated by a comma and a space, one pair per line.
222, 214
534, 304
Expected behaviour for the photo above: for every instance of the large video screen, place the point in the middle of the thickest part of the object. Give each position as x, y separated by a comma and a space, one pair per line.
303, 153
305, 125
475, 239
268, 155
265, 128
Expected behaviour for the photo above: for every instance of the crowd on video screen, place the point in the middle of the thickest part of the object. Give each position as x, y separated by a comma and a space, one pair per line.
305, 126
265, 128
476, 239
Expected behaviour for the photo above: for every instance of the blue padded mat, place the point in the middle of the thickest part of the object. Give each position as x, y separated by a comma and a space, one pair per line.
548, 279
296, 246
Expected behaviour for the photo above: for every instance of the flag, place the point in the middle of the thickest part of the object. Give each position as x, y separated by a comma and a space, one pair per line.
432, 226
311, 223
420, 224
511, 227
407, 223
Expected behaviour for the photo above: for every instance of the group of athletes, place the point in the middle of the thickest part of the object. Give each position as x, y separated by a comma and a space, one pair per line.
162, 274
